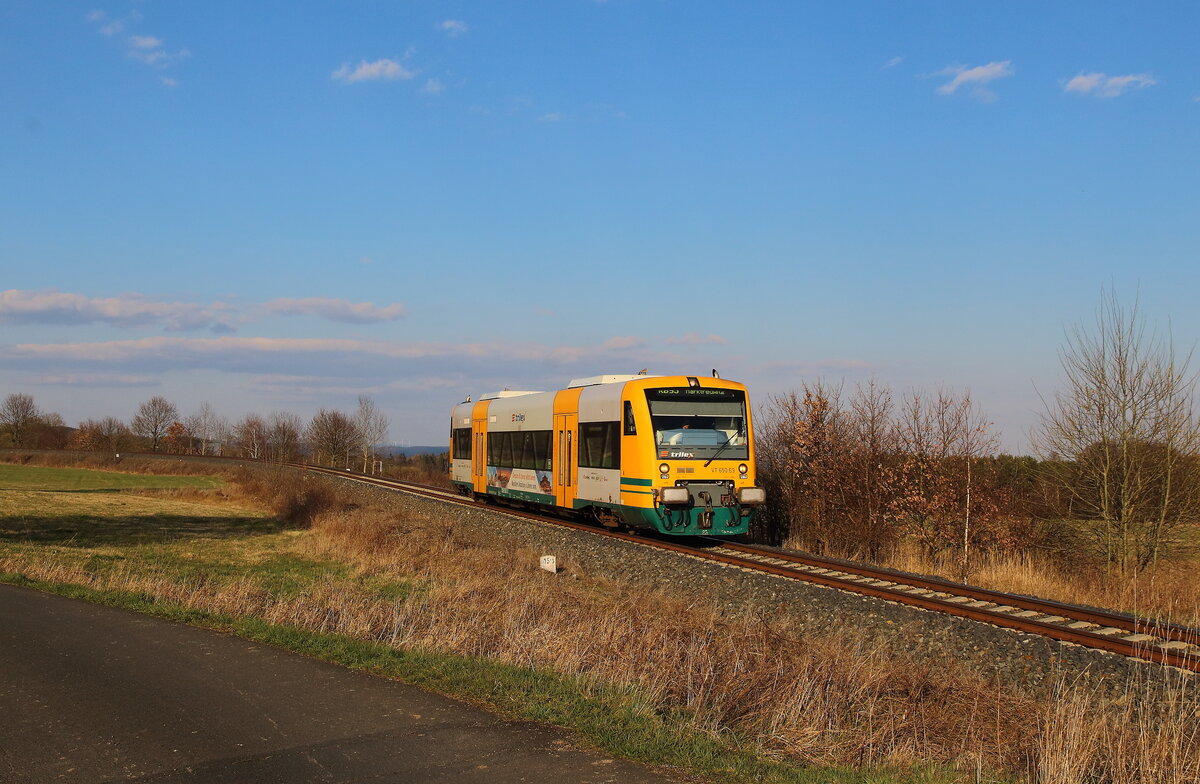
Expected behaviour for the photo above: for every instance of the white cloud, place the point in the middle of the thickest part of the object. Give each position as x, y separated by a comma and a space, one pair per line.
336, 310
374, 71
552, 117
695, 339
146, 49
623, 342
893, 62
126, 310
974, 78
250, 353
453, 27
434, 87
168, 81
159, 57
1102, 85
95, 380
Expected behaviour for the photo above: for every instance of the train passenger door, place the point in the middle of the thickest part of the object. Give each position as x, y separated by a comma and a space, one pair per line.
479, 454
566, 449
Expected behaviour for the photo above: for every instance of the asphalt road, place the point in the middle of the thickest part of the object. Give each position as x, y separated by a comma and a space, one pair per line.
94, 694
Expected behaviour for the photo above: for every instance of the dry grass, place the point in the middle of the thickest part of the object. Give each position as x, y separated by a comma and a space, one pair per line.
830, 698
1169, 591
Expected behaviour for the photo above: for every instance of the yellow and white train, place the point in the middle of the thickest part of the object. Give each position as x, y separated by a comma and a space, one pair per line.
673, 453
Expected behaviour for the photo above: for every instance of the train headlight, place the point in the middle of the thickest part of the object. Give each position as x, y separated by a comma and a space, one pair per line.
752, 496
674, 495
664, 469
743, 469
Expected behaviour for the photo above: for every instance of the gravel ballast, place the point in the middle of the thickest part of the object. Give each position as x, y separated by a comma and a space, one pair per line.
1029, 661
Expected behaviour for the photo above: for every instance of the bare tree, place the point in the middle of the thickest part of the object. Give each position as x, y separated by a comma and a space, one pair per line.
372, 427
333, 437
152, 420
1121, 438
18, 414
251, 436
209, 428
284, 430
49, 432
870, 466
108, 434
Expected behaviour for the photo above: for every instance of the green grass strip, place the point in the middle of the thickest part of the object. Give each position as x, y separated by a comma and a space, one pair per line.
607, 717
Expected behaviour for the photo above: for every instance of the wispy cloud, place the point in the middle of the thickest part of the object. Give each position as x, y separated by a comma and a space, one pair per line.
454, 27
95, 380
331, 355
379, 70
126, 310
148, 49
817, 367
1102, 85
623, 342
434, 87
695, 339
552, 117
892, 63
974, 78
336, 310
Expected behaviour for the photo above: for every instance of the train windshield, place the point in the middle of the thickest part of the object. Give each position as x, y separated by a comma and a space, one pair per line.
699, 423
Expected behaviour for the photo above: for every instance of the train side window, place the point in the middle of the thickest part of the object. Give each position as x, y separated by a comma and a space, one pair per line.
630, 425
542, 449
599, 445
526, 459
462, 443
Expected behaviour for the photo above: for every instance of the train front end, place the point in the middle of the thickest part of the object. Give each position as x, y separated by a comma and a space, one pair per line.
688, 456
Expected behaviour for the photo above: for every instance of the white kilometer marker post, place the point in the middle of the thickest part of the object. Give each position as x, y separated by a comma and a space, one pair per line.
549, 563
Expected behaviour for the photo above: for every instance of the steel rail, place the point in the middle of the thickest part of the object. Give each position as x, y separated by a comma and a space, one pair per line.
1131, 623
751, 558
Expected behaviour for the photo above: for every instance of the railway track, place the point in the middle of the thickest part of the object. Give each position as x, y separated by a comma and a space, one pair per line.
1140, 638
1127, 635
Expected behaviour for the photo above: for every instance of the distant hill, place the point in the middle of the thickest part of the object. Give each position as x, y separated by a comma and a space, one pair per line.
413, 451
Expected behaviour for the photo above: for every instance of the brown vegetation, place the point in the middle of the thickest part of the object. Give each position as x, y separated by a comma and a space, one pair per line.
820, 698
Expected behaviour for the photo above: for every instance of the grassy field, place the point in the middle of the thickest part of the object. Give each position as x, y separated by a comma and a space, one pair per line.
82, 480
639, 674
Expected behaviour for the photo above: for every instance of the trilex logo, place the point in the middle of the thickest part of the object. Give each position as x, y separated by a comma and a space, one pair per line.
682, 454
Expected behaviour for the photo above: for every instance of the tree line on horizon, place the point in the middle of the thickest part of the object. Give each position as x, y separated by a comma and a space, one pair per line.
857, 473
331, 437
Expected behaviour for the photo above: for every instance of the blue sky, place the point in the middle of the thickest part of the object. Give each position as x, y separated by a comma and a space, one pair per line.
284, 205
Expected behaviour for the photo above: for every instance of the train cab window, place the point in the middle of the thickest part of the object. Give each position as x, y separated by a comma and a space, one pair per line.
599, 445
630, 425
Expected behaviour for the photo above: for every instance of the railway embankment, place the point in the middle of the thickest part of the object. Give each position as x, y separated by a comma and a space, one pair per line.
1030, 661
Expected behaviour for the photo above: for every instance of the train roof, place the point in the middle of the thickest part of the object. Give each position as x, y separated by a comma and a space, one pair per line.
611, 379
509, 393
